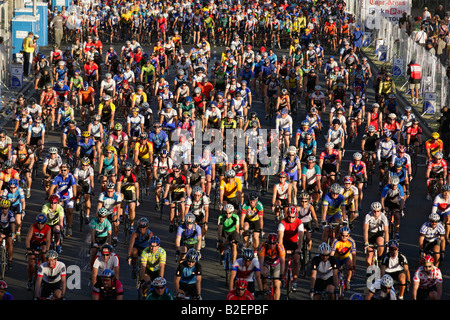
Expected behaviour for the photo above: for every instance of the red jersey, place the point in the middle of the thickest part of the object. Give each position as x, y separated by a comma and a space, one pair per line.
49, 97
90, 69
232, 295
392, 127
39, 235
414, 132
88, 46
291, 229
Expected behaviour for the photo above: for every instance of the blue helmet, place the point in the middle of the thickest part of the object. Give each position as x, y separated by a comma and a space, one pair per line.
356, 296
41, 218
108, 273
13, 183
154, 239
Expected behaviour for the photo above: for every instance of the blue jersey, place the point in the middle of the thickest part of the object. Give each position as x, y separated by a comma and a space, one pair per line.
6, 220
14, 197
158, 140
307, 148
88, 147
64, 185
388, 192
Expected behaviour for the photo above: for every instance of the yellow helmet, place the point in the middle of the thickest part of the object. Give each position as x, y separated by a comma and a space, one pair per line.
5, 203
110, 148
86, 134
435, 135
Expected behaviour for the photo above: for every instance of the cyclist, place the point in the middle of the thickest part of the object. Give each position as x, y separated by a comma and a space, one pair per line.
228, 231
281, 197
427, 281
251, 218
36, 243
175, 193
290, 235
107, 259
414, 136
162, 166
333, 211
272, 257
153, 263
189, 235
7, 228
441, 206
106, 111
65, 186
433, 145
112, 201
369, 145
138, 242
386, 150
36, 137
350, 193
108, 288
4, 295
24, 160
375, 231
16, 197
51, 278
344, 250
230, 190
143, 156
324, 273
437, 171
159, 290
108, 167
101, 231
188, 276
396, 265
382, 289
432, 238
50, 166
240, 292
358, 170
55, 219
86, 99
198, 204
393, 201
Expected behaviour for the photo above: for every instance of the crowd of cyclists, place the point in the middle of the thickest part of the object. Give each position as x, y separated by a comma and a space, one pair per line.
131, 122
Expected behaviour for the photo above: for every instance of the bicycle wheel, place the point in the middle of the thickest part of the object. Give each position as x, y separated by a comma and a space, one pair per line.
227, 265
288, 283
81, 215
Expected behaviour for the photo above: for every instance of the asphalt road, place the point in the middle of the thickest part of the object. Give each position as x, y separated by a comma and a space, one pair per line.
213, 284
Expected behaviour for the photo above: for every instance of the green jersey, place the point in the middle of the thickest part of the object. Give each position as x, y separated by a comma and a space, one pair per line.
228, 224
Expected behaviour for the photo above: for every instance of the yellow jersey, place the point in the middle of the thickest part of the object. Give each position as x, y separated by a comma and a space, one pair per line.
230, 189
343, 249
144, 149
152, 261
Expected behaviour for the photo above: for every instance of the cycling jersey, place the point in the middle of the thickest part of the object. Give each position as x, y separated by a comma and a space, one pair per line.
434, 146
101, 229
271, 256
145, 150
228, 223
437, 167
431, 233
230, 189
151, 260
252, 214
189, 236
291, 229
334, 205
441, 205
53, 217
51, 275
343, 249
243, 272
427, 279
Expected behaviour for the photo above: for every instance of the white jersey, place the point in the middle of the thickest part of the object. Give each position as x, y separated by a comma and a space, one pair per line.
376, 225
52, 275
100, 264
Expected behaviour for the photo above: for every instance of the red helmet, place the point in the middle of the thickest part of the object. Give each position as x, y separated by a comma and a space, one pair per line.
241, 284
272, 238
282, 174
428, 259
53, 198
3, 285
292, 210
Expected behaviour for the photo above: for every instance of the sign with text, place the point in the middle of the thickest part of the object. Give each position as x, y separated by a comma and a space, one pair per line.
374, 10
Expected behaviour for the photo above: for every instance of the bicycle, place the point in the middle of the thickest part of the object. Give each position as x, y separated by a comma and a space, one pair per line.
341, 288
82, 218
37, 262
227, 262
305, 256
269, 292
289, 278
370, 167
126, 221
353, 130
391, 218
3, 259
332, 234
411, 151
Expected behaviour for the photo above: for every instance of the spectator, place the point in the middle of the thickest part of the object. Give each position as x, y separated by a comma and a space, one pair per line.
28, 49
426, 14
415, 76
430, 47
441, 49
358, 38
57, 24
440, 12
405, 23
421, 36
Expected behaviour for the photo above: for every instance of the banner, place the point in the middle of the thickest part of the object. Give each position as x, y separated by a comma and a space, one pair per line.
382, 53
429, 103
397, 68
367, 39
374, 10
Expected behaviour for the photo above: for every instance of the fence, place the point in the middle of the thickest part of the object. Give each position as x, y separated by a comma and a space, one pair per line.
400, 50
